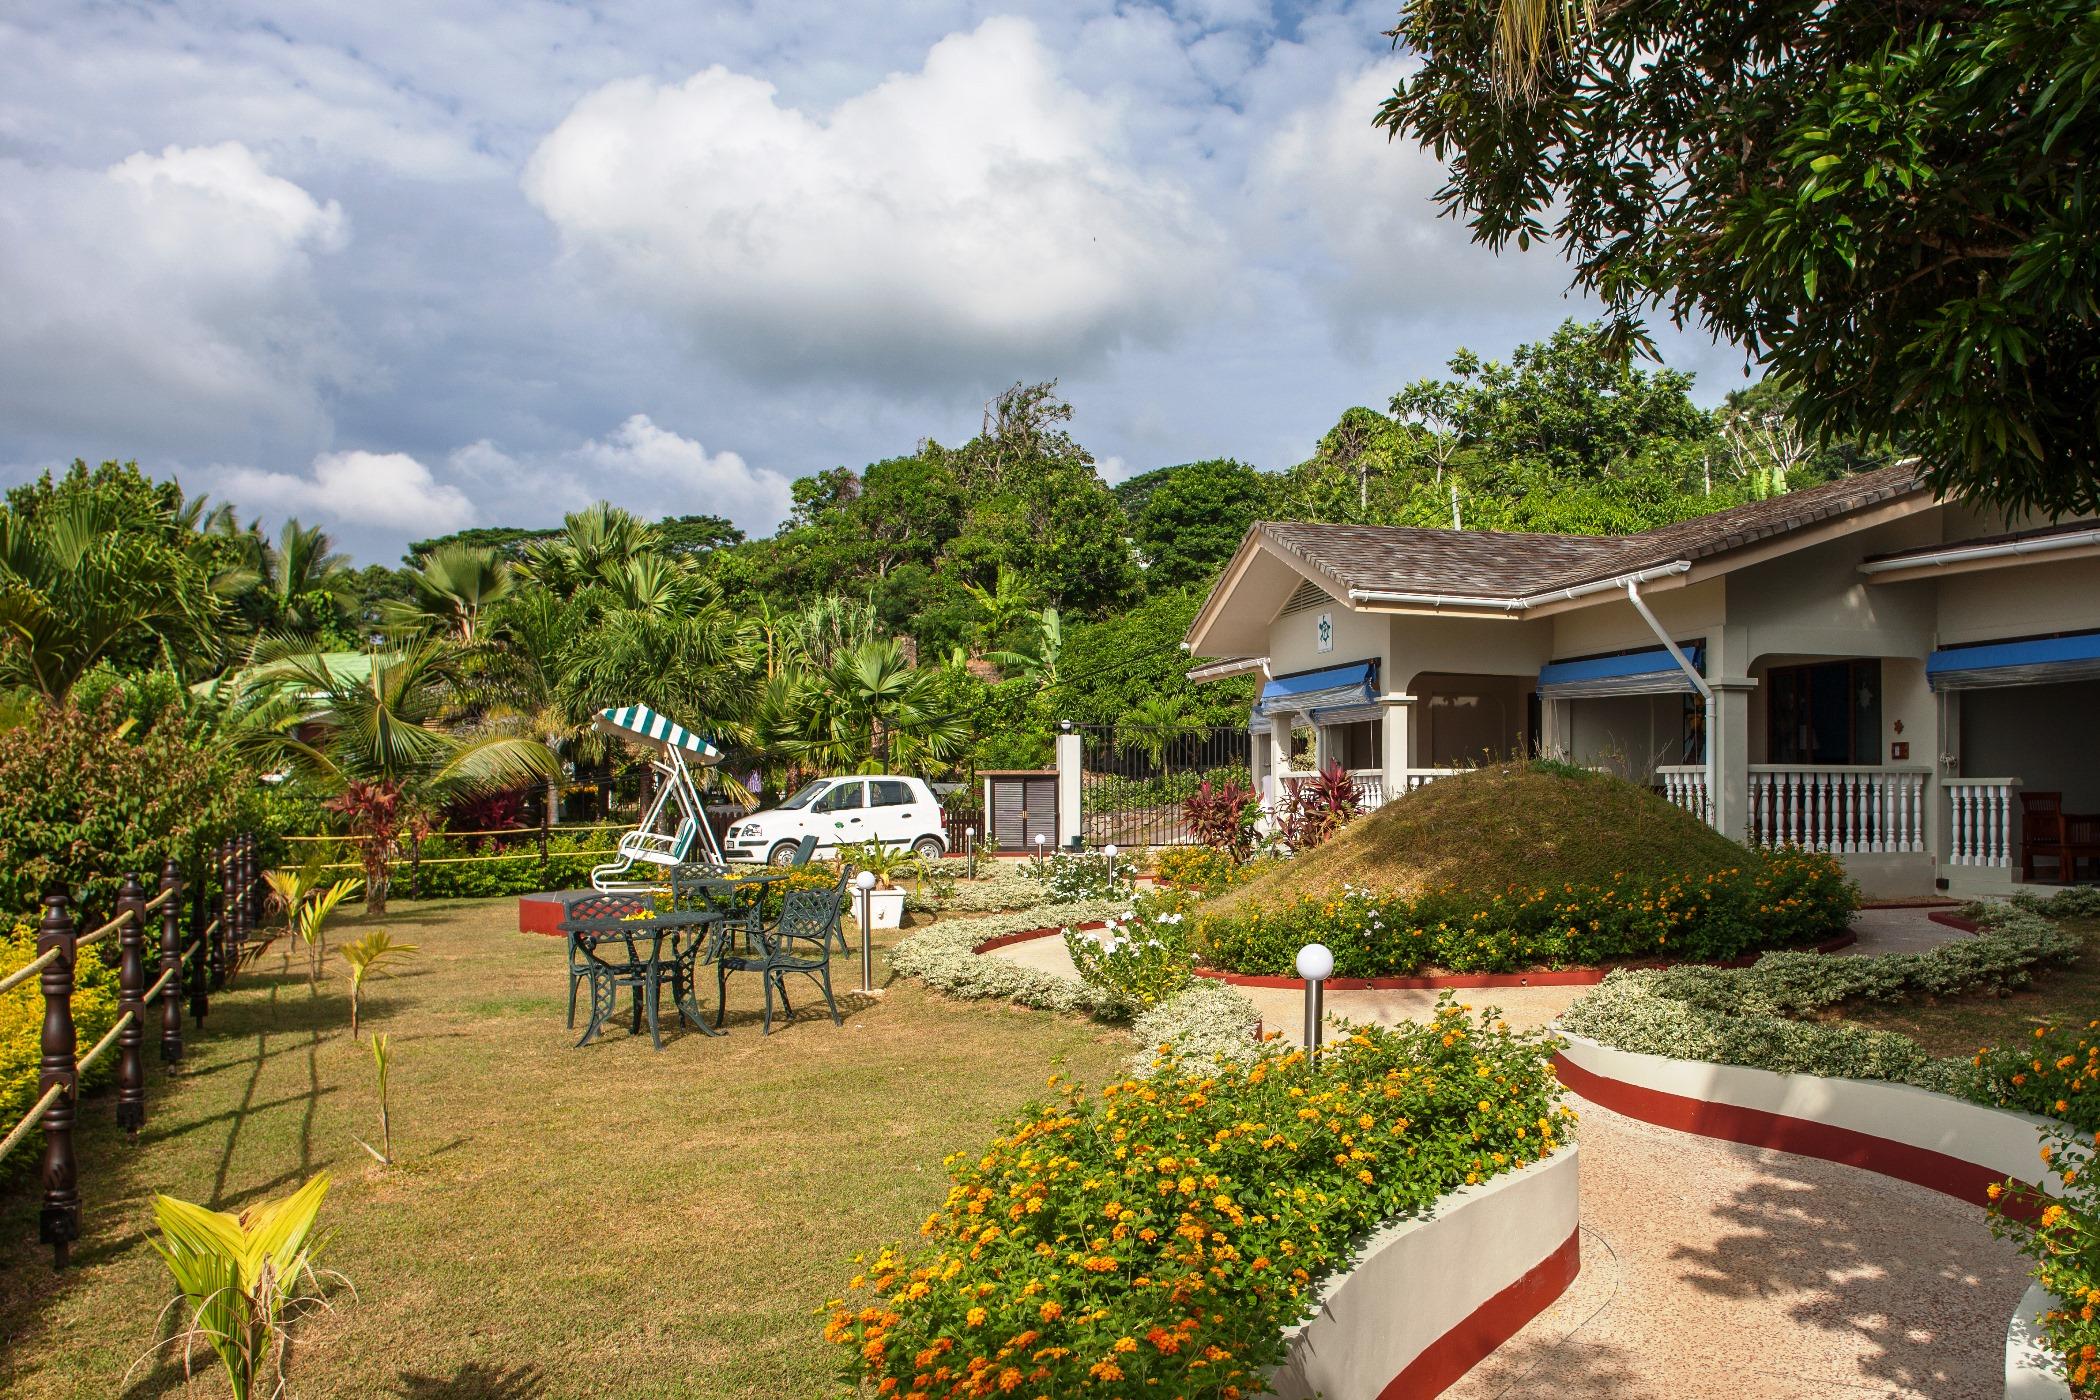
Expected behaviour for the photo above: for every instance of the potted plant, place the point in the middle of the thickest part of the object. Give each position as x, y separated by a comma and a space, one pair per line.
889, 865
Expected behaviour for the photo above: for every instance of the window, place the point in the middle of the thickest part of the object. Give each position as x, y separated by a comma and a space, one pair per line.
844, 797
888, 792
1825, 713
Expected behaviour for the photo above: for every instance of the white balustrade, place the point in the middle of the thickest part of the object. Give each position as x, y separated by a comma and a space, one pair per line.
1842, 810
1979, 820
1422, 777
1685, 785
1370, 784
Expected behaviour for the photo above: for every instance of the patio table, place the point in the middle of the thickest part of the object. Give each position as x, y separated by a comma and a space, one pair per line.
686, 935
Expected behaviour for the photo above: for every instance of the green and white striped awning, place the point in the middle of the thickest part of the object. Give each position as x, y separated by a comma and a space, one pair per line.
642, 723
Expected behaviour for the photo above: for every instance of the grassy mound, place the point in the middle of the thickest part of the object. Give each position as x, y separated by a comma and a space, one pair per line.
1528, 825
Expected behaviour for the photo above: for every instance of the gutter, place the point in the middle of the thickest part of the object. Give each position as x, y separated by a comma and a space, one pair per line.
1513, 606
1706, 693
1964, 554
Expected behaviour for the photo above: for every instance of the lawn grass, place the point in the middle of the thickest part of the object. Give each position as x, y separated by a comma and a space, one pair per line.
1960, 1025
603, 1221
1514, 824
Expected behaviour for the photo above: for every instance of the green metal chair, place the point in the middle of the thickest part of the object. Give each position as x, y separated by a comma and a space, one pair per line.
797, 943
804, 849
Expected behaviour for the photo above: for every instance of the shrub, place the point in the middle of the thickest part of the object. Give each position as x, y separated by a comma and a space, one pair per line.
1204, 1021
1090, 875
998, 888
1319, 807
86, 797
1163, 1234
1223, 818
1774, 899
1133, 964
2062, 1236
1203, 869
1751, 1016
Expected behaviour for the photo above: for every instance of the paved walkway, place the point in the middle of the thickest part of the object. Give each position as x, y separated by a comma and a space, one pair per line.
1713, 1269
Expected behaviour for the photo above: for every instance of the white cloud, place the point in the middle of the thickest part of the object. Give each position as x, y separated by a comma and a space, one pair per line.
168, 295
389, 490
980, 216
1327, 181
679, 477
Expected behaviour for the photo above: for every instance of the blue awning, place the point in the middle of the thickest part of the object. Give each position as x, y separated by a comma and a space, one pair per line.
1314, 693
1652, 672
2037, 661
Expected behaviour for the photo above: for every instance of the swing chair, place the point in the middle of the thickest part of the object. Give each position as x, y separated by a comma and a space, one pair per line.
657, 840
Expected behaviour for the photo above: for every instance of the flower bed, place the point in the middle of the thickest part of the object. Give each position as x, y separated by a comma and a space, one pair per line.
1774, 900
1754, 1016
1168, 1231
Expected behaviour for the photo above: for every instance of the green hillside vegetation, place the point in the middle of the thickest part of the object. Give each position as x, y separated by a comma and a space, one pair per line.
1527, 826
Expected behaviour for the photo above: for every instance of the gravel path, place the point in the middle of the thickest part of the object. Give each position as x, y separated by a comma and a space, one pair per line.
1714, 1269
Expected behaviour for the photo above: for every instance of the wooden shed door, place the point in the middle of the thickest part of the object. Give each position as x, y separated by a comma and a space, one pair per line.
1021, 809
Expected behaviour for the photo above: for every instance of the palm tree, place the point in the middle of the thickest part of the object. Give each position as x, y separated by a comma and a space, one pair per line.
1010, 598
872, 711
454, 584
304, 579
1036, 656
1155, 725
82, 578
536, 635
592, 542
386, 744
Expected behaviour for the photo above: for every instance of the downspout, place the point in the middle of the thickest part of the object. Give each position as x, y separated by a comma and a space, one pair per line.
1706, 693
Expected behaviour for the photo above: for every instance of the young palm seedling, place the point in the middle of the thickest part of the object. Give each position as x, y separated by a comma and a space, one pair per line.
382, 1055
312, 917
244, 1278
365, 957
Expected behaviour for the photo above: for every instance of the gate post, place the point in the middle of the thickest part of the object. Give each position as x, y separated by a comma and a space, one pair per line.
58, 1224
131, 1002
1070, 834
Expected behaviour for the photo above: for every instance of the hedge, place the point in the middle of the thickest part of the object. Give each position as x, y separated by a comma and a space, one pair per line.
22, 1028
1161, 1236
1773, 900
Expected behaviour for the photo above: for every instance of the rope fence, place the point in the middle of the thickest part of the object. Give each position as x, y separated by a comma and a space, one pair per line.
223, 909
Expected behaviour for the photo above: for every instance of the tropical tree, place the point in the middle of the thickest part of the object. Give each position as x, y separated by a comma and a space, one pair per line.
869, 710
303, 583
586, 549
1155, 725
1034, 657
387, 746
1009, 599
526, 685
1880, 203
453, 586
84, 578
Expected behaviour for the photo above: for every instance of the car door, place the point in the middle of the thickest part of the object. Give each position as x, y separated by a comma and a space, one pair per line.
841, 814
892, 816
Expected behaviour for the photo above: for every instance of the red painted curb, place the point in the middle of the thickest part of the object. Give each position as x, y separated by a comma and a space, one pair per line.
1007, 940
1955, 921
1488, 1326
1755, 1127
1563, 977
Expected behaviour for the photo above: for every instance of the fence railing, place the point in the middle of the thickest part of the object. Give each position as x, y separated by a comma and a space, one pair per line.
1980, 820
1840, 810
197, 962
1685, 785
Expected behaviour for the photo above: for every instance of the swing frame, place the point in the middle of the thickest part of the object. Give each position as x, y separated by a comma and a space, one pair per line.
646, 845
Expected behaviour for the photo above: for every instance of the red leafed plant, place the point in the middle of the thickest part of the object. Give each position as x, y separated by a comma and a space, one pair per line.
379, 814
1222, 817
1320, 806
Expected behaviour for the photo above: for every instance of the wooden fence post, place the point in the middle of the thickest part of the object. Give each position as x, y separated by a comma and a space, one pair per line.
58, 1225
222, 861
197, 967
171, 963
254, 886
233, 931
131, 1001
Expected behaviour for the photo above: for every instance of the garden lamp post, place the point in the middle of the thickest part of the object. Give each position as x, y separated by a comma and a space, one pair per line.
1040, 839
1315, 965
970, 851
864, 888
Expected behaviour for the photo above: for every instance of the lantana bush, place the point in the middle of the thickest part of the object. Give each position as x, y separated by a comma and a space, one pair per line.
2061, 1234
1161, 1235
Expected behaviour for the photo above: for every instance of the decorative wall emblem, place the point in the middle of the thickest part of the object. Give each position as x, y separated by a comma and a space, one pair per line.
1326, 631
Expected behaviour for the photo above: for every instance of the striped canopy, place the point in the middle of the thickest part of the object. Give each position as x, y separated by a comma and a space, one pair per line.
642, 723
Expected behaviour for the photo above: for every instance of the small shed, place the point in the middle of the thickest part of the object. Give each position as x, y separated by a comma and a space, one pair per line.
1019, 805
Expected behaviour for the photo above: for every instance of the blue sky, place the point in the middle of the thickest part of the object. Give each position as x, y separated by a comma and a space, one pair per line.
399, 269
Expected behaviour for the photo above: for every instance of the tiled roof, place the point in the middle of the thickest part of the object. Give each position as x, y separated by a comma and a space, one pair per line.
1494, 564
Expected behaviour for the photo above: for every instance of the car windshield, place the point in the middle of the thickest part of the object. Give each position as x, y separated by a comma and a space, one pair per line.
809, 794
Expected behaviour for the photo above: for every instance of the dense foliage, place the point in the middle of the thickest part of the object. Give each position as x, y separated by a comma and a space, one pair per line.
1884, 204
1773, 900
2062, 1235
1134, 963
87, 796
1162, 1235
22, 1026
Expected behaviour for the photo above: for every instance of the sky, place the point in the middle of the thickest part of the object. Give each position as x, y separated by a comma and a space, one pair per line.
397, 270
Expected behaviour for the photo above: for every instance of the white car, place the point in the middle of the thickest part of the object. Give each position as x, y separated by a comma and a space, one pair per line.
894, 811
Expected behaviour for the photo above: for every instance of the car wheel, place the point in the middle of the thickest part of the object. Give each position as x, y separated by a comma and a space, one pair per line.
783, 853
928, 848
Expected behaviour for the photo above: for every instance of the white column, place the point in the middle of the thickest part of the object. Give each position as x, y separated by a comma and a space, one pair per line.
1068, 779
1396, 724
1557, 729
1728, 744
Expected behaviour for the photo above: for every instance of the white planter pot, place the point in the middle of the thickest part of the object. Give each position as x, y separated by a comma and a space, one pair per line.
885, 908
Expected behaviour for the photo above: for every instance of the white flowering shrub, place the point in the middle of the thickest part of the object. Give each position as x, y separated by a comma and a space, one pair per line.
1206, 1020
1091, 875
999, 888
1133, 962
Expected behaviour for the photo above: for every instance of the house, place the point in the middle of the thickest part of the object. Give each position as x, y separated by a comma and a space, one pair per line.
1860, 668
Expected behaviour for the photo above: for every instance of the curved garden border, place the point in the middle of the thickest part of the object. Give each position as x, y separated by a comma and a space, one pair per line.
1429, 1298
1564, 977
1933, 1140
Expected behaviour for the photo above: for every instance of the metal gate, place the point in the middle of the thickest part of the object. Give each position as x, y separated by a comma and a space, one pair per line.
1133, 782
